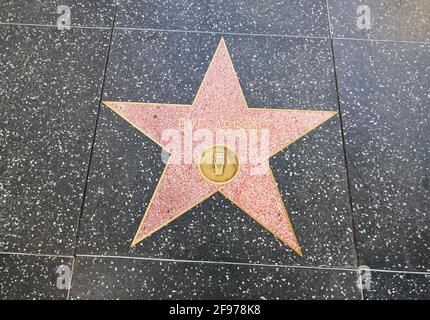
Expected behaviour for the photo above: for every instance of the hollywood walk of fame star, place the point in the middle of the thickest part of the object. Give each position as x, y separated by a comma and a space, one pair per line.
184, 185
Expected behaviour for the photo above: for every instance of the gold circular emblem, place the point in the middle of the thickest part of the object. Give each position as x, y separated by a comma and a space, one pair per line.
218, 164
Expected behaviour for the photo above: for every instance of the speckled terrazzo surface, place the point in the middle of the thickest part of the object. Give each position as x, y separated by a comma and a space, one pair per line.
76, 178
50, 88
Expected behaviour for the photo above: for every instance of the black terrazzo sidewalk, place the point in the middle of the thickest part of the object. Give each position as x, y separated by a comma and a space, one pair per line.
75, 179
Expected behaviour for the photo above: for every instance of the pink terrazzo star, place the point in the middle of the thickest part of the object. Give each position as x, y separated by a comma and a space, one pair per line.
219, 106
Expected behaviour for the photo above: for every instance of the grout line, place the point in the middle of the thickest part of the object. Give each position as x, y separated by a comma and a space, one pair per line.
222, 33
35, 254
348, 180
382, 40
401, 271
50, 25
328, 19
345, 159
249, 264
246, 264
91, 151
216, 262
95, 131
